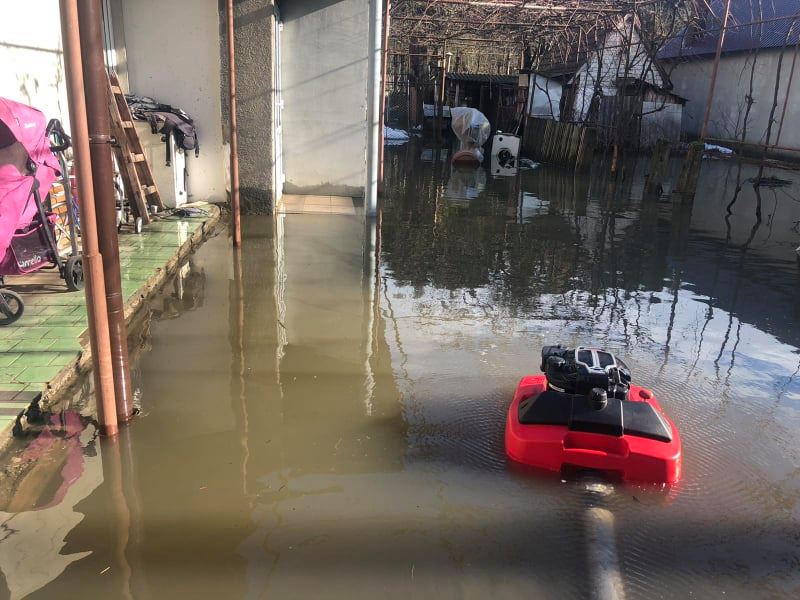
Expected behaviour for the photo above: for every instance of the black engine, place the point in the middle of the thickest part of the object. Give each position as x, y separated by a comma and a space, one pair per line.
586, 371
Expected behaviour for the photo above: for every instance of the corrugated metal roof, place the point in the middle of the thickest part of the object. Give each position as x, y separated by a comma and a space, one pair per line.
479, 78
782, 26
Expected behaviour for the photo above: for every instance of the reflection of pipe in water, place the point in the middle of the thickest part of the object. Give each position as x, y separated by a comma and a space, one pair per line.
120, 513
369, 280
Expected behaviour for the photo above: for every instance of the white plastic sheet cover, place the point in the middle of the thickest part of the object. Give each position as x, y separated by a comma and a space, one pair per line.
471, 127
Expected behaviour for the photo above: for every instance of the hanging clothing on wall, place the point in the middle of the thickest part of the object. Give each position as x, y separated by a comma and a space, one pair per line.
166, 120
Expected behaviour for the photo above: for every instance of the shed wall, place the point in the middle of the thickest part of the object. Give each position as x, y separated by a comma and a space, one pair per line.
691, 79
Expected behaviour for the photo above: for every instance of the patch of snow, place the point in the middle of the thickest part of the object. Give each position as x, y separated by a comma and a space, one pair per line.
394, 137
527, 163
394, 134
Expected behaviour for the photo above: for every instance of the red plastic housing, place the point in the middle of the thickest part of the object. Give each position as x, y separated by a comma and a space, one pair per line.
553, 447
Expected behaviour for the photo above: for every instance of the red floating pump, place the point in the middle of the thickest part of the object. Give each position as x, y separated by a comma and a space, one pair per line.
584, 413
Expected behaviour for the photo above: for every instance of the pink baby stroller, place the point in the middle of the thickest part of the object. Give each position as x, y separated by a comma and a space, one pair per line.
28, 168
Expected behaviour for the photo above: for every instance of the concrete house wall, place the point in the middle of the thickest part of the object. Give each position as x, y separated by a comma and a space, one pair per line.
325, 46
690, 79
31, 59
173, 56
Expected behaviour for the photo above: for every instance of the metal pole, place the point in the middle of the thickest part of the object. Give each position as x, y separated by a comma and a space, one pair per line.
99, 126
713, 83
235, 206
92, 260
373, 106
386, 16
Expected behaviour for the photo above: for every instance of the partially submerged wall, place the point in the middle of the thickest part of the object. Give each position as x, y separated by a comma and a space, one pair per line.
691, 79
324, 81
173, 56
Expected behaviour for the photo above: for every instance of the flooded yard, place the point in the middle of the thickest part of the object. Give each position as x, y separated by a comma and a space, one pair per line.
322, 416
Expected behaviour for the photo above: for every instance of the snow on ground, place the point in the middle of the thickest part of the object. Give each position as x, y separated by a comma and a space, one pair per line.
394, 135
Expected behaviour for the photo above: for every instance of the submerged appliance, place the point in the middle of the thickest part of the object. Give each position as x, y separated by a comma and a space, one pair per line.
584, 413
505, 154
167, 161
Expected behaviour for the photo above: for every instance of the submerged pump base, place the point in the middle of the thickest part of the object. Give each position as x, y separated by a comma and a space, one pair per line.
630, 438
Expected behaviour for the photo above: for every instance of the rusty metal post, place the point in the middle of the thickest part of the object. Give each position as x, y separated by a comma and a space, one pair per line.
92, 260
715, 69
234, 134
386, 15
441, 98
99, 125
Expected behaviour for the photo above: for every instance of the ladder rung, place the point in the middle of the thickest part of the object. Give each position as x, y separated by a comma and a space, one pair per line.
136, 158
116, 89
149, 189
127, 124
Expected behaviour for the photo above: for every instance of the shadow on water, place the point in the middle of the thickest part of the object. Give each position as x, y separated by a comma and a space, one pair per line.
321, 421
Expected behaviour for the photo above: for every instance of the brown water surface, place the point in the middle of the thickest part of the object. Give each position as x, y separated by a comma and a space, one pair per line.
322, 416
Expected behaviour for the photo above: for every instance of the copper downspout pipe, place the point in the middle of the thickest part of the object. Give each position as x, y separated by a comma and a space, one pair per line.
712, 85
92, 261
235, 205
99, 123
387, 9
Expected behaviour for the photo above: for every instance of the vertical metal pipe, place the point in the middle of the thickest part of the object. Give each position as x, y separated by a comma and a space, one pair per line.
712, 85
92, 260
234, 141
386, 23
99, 125
373, 106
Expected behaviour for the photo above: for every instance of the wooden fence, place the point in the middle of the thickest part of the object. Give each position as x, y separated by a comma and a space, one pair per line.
565, 144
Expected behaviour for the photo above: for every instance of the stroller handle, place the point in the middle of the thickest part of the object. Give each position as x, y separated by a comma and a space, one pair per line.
59, 140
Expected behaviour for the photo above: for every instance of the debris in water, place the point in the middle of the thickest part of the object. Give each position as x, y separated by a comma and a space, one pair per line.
527, 163
104, 570
714, 149
771, 182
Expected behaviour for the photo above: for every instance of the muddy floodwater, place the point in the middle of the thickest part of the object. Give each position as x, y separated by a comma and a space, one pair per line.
322, 417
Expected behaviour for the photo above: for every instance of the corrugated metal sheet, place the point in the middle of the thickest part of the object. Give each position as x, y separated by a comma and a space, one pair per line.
741, 34
480, 78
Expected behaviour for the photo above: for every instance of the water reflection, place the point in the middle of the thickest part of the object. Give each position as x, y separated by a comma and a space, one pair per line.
323, 411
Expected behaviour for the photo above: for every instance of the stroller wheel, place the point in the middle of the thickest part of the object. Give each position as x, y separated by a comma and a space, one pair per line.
73, 273
11, 307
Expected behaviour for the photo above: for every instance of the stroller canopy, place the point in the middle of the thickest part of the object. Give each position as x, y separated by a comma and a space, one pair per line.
25, 126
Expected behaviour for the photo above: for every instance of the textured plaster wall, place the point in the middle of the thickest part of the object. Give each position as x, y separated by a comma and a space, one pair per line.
324, 80
254, 27
173, 56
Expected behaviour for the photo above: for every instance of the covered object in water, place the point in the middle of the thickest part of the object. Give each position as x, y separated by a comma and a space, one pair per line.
473, 130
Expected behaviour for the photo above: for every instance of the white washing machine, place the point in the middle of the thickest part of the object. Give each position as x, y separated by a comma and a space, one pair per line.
505, 154
170, 178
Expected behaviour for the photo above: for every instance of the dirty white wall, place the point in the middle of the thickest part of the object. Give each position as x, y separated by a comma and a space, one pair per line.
324, 80
544, 97
31, 61
173, 56
612, 61
691, 80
